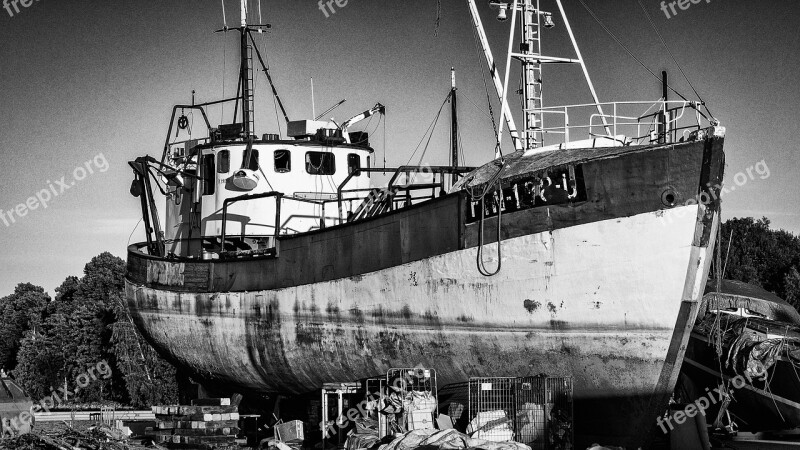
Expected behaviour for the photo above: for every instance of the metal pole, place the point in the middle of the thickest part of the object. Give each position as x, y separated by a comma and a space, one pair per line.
530, 34
583, 66
313, 103
246, 104
508, 70
454, 130
498, 85
662, 138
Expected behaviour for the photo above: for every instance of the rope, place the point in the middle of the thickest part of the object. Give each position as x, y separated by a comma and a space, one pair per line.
134, 230
480, 198
727, 254
664, 43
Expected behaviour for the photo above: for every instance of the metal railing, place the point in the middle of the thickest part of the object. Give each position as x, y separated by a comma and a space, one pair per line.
390, 193
625, 122
410, 188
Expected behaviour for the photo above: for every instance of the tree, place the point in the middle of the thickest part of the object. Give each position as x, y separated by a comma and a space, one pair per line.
21, 312
759, 255
87, 323
792, 287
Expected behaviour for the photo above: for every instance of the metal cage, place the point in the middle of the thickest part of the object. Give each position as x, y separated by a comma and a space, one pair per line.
414, 393
536, 411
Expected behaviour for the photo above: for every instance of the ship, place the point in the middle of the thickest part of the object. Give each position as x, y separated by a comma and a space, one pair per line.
582, 253
746, 344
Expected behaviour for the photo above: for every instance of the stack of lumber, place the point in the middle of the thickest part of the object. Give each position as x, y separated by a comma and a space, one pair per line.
209, 423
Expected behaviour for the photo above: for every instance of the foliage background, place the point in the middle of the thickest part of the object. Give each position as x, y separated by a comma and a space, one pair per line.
49, 342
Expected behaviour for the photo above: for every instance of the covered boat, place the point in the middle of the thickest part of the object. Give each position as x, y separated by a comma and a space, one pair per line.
746, 344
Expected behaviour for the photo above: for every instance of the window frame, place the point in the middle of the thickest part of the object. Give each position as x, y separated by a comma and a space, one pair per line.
253, 160
227, 155
288, 168
323, 155
209, 173
351, 168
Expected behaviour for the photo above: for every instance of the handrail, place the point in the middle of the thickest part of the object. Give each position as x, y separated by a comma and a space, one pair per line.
668, 116
201, 108
441, 170
249, 197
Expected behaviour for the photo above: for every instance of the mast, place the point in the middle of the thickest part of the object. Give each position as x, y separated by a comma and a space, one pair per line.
533, 21
454, 118
246, 75
531, 27
498, 83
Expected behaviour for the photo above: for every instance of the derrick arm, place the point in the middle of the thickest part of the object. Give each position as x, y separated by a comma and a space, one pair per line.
377, 109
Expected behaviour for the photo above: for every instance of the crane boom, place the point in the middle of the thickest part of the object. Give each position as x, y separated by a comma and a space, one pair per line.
378, 108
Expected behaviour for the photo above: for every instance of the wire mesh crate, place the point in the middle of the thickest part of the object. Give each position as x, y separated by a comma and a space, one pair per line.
413, 394
492, 408
536, 411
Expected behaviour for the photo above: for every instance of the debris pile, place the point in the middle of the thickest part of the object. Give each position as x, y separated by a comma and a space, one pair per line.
444, 439
95, 438
206, 424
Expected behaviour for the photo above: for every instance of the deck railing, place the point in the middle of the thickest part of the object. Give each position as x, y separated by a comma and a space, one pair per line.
637, 122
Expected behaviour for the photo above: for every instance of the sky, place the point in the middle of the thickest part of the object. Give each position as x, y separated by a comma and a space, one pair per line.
86, 86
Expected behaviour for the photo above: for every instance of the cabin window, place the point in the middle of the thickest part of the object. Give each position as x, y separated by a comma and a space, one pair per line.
209, 177
253, 162
283, 161
320, 163
223, 161
353, 163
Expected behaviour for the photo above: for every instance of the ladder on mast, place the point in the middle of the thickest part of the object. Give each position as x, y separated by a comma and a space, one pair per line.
532, 59
249, 93
530, 48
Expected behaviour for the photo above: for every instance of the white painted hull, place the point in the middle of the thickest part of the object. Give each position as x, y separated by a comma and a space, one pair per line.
599, 302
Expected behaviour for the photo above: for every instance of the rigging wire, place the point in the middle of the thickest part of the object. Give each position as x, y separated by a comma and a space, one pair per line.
430, 136
461, 94
630, 53
485, 86
134, 230
727, 254
438, 18
664, 43
429, 130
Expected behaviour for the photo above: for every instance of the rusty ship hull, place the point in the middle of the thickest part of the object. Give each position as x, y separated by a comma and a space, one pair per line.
604, 288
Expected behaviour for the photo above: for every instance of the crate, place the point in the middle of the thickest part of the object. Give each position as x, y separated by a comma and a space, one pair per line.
411, 390
290, 431
537, 411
